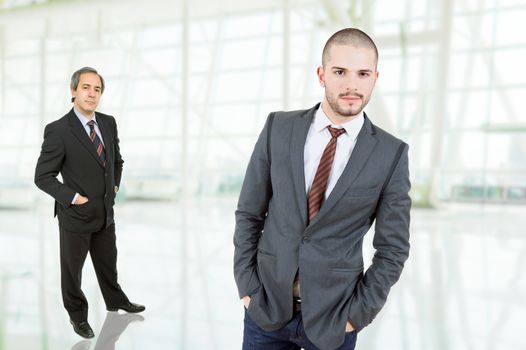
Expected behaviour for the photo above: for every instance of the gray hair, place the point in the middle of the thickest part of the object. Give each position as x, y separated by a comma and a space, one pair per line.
75, 78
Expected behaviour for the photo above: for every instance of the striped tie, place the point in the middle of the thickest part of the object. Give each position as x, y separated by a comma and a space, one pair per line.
99, 147
319, 185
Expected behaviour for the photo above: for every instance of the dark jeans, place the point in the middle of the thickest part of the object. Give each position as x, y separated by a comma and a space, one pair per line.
290, 337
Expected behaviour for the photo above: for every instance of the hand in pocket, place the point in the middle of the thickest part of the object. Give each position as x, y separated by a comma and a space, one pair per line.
81, 200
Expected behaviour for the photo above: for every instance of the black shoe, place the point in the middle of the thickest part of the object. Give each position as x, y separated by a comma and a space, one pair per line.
83, 329
130, 307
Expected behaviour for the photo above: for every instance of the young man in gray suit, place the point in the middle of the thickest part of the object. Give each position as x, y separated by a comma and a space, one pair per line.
316, 182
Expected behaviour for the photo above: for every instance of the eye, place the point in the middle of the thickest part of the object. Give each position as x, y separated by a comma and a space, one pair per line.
364, 74
339, 72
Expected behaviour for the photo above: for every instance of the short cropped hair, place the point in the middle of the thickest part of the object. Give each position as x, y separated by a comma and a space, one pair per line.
75, 78
349, 36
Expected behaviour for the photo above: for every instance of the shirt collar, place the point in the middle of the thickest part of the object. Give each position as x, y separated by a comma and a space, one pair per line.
83, 119
352, 127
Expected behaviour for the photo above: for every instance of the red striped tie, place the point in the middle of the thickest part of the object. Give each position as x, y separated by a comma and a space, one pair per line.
97, 143
319, 185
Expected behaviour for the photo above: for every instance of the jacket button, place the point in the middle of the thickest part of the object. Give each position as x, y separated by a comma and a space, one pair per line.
105, 195
305, 240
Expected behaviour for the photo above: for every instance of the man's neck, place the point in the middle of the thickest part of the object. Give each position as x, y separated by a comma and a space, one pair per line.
83, 113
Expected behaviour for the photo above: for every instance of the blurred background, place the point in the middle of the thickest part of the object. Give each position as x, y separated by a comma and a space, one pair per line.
190, 84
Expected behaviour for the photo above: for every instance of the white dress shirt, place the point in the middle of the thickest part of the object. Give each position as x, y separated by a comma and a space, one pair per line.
317, 139
84, 121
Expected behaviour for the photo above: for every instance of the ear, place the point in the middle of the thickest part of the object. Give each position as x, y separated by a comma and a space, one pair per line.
376, 75
73, 95
321, 76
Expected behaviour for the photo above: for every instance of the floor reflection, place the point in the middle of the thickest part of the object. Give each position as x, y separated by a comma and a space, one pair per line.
114, 325
82, 345
463, 287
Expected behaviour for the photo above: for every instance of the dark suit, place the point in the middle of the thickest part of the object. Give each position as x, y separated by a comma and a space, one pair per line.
274, 241
68, 150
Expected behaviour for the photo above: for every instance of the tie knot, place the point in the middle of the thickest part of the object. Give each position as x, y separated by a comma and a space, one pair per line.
91, 123
336, 132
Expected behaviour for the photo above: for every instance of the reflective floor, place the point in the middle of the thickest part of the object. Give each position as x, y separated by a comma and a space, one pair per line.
464, 285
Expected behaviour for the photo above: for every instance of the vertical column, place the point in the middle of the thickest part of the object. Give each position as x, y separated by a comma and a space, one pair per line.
184, 172
492, 83
286, 54
438, 132
184, 98
2, 70
42, 276
438, 128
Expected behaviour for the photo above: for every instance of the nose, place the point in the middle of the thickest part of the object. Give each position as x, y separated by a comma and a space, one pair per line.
351, 82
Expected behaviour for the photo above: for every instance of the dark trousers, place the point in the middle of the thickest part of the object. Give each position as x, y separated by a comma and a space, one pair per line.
74, 248
290, 337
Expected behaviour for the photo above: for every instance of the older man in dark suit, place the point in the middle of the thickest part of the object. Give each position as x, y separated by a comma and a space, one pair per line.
83, 147
316, 182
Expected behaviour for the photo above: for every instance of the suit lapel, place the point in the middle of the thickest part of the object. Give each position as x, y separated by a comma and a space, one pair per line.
362, 151
298, 139
80, 133
104, 128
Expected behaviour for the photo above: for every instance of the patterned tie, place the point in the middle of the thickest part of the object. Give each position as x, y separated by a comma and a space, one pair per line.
99, 147
319, 185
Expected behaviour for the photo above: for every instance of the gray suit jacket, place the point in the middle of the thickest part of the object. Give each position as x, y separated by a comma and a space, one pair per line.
272, 239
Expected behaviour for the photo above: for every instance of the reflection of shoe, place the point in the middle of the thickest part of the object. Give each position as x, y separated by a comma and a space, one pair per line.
114, 325
113, 317
83, 329
81, 345
130, 307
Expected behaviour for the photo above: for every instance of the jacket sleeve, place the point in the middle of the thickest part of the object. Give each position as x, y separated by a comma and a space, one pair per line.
118, 158
391, 242
250, 216
49, 165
